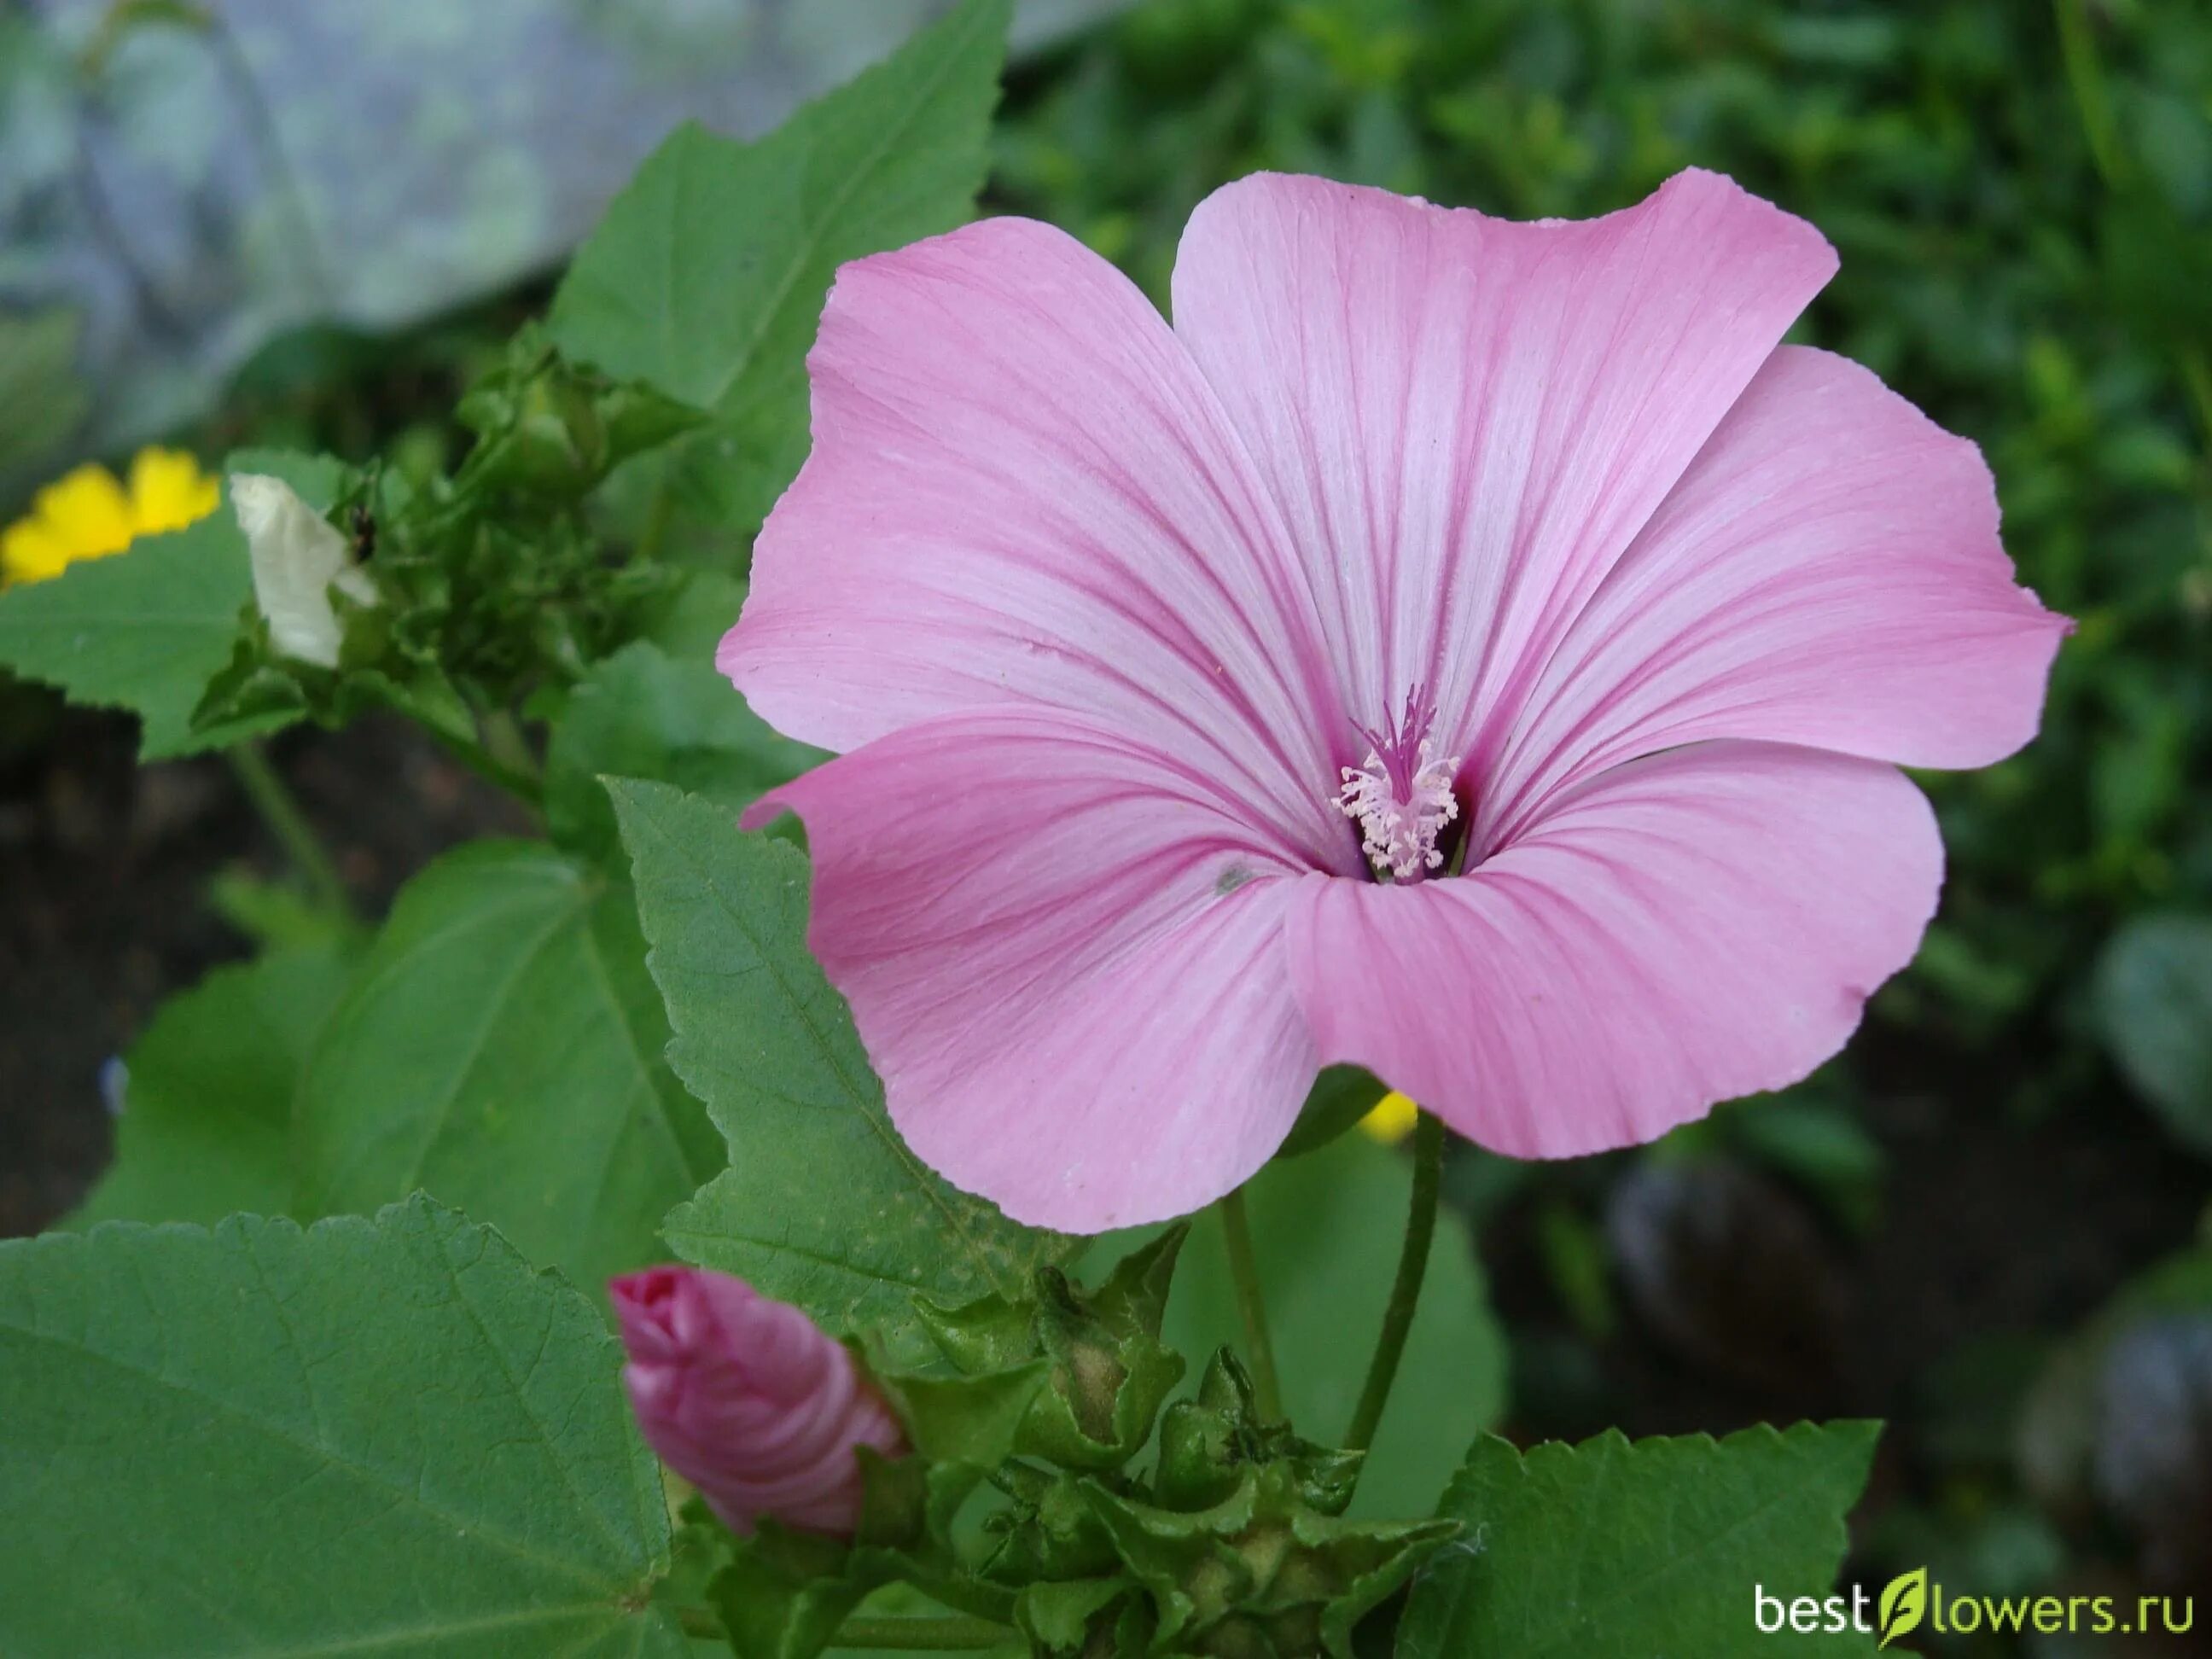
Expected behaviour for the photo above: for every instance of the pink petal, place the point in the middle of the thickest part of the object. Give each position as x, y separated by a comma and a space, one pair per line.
1468, 419
1063, 952
1827, 573
1022, 491
1680, 930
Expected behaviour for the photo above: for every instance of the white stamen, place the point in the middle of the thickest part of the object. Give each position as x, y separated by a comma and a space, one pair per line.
1399, 836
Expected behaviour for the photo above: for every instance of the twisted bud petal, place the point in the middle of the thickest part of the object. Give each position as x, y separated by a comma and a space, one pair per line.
748, 1400
298, 559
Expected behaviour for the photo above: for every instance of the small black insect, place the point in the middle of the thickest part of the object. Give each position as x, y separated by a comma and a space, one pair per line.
364, 535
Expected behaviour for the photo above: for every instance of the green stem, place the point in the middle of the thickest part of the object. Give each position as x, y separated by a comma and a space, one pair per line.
658, 514
504, 742
1251, 1306
281, 813
488, 766
1406, 1293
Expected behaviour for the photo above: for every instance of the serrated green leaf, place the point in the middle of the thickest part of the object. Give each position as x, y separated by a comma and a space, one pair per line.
146, 628
386, 1437
642, 713
1328, 1227
501, 1050
706, 276
823, 1204
1611, 1549
207, 1118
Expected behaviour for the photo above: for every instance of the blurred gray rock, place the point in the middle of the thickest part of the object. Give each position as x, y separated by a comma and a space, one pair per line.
181, 180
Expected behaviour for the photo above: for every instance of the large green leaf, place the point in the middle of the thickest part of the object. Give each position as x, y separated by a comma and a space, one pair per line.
706, 276
643, 714
1327, 1228
501, 1049
387, 1437
146, 628
1611, 1549
821, 1205
2155, 1002
207, 1118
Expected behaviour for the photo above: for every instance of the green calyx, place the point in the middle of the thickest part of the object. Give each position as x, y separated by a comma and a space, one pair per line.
548, 428
1237, 1548
1107, 1370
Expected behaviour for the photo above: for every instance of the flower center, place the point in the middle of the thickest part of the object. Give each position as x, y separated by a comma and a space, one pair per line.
1402, 796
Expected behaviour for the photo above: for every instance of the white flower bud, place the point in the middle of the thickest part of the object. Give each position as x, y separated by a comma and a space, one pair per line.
298, 558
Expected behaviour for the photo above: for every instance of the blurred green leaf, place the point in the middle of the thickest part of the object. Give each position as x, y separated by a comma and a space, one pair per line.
501, 1049
642, 713
146, 628
2154, 1005
207, 1112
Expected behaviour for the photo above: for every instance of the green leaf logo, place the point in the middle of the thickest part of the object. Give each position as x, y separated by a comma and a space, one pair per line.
1904, 1605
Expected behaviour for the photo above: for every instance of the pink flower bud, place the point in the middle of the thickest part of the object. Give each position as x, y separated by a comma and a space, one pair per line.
748, 1400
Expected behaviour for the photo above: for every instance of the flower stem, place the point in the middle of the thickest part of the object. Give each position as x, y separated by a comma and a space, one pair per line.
281, 813
1406, 1293
524, 786
1251, 1306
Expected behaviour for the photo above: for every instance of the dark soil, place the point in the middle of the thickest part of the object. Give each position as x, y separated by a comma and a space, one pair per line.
105, 872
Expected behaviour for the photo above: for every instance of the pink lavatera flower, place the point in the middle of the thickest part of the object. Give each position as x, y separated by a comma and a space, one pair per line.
1475, 650
748, 1400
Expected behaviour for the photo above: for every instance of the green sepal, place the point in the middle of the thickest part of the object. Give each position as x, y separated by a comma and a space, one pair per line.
972, 1420
785, 1594
1239, 1548
1262, 1572
1049, 1531
1109, 1372
1084, 1619
1206, 1444
547, 428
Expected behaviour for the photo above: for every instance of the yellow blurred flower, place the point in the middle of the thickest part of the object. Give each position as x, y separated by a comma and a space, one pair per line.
1392, 1119
88, 514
